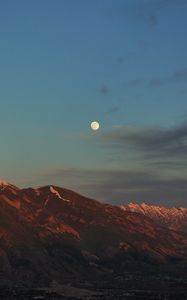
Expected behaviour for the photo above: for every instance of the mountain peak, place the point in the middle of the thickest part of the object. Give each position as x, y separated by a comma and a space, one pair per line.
4, 182
94, 237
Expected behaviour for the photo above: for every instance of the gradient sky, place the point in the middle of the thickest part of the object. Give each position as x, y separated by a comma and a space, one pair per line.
64, 63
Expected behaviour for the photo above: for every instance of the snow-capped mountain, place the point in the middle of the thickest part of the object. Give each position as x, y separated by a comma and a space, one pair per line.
51, 233
174, 218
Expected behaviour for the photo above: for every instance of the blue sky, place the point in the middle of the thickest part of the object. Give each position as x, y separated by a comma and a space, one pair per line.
64, 63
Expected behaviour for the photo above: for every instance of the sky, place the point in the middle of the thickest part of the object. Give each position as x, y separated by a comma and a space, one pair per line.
65, 63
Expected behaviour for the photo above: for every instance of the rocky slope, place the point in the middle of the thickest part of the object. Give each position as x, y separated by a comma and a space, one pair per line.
51, 233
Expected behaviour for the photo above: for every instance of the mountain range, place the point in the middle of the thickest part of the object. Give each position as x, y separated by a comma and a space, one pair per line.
52, 233
174, 218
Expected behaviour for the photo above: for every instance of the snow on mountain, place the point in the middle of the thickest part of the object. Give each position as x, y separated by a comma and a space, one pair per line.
174, 218
48, 239
53, 191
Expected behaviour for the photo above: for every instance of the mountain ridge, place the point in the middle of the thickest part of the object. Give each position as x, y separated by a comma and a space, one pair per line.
174, 218
52, 233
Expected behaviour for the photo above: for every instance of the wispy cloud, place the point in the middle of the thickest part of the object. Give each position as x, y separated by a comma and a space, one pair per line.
149, 10
156, 83
118, 186
151, 142
125, 57
113, 110
134, 82
178, 76
104, 89
120, 60
155, 173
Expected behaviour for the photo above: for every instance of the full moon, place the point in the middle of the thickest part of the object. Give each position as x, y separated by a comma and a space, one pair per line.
94, 125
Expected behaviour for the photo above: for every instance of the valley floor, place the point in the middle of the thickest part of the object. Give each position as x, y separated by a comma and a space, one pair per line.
173, 290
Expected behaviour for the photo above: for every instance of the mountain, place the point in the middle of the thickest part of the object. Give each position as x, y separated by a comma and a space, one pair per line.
174, 218
51, 233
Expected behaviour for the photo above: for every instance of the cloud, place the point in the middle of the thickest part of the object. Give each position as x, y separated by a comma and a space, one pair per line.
151, 142
120, 60
180, 75
113, 110
149, 10
168, 165
126, 57
156, 82
104, 89
134, 83
151, 168
117, 186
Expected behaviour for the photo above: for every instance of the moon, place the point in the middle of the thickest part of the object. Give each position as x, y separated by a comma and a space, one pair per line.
95, 125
